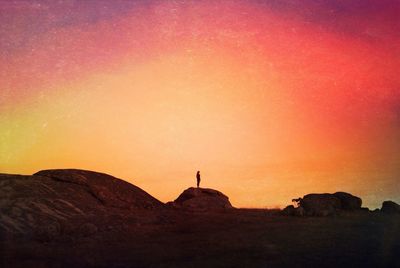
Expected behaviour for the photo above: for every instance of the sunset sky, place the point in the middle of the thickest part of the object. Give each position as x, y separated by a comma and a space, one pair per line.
270, 100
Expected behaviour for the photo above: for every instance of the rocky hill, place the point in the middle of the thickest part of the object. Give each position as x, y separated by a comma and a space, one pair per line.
54, 203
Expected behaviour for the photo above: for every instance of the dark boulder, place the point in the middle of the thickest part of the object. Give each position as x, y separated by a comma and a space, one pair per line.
69, 203
364, 209
201, 199
348, 201
328, 204
320, 204
377, 210
292, 211
390, 207
107, 189
289, 210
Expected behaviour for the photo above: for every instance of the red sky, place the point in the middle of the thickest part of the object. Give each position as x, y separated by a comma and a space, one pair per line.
271, 100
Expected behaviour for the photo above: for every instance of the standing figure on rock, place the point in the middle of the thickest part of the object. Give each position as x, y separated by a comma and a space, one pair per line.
198, 178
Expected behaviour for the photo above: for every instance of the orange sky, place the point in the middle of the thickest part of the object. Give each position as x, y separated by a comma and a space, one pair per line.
270, 101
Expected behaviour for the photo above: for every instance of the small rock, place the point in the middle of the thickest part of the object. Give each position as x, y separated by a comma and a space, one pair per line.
288, 211
390, 207
292, 211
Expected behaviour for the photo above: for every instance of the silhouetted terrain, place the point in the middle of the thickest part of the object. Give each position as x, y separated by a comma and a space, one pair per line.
75, 218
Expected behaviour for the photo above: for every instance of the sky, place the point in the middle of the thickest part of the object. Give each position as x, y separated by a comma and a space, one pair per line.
270, 100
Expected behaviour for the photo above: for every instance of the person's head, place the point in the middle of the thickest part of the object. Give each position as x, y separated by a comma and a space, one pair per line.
198, 171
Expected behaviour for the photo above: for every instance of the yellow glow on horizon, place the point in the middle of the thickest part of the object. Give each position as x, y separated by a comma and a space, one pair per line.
267, 106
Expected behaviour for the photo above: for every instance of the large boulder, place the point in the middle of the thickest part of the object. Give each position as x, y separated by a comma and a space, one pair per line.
390, 207
328, 204
348, 201
202, 199
73, 203
320, 204
107, 189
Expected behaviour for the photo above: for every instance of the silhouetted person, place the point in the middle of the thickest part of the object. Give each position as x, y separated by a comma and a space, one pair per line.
198, 178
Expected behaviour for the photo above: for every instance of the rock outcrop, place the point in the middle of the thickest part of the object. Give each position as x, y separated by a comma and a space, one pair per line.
348, 201
292, 211
107, 189
326, 204
201, 199
320, 204
390, 207
53, 203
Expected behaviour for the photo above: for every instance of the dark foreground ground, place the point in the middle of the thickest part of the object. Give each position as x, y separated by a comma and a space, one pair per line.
237, 238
